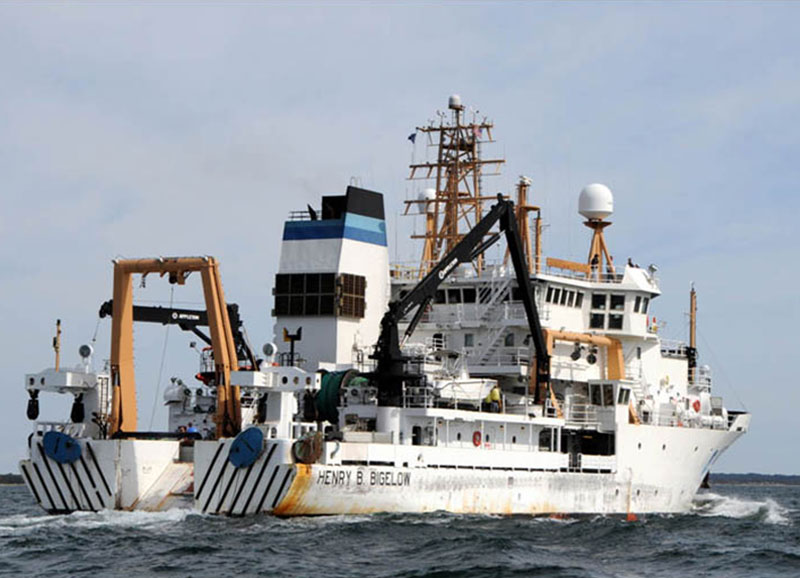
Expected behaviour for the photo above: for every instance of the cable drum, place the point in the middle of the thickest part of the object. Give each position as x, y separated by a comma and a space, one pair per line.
308, 449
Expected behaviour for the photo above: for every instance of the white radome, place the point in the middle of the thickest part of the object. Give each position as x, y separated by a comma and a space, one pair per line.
596, 202
427, 195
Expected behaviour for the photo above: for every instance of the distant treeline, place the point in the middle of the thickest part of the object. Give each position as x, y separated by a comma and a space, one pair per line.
10, 479
754, 479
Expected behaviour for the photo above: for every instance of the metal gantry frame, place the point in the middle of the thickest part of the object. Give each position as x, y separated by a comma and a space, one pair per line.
123, 380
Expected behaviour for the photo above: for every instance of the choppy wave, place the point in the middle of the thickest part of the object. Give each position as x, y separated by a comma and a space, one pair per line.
21, 523
736, 532
767, 510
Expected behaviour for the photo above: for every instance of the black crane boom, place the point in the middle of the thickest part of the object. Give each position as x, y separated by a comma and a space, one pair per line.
389, 374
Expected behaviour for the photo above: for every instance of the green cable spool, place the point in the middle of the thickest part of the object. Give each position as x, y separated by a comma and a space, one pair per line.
327, 401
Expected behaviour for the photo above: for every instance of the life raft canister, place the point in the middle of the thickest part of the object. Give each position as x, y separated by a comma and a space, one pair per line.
476, 439
696, 405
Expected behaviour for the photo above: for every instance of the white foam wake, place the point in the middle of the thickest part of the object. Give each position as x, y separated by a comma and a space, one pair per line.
22, 524
768, 511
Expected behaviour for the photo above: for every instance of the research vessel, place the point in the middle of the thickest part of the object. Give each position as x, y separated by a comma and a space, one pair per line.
462, 383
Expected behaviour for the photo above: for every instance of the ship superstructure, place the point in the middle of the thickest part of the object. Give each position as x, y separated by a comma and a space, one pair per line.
526, 385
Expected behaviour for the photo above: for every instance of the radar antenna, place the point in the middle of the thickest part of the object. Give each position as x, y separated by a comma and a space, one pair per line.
457, 204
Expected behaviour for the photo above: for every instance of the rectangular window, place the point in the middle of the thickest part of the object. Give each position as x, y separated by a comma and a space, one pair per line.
509, 340
617, 302
570, 298
440, 296
312, 304
579, 300
596, 320
303, 294
549, 297
564, 297
326, 304
596, 397
281, 305
556, 295
327, 282
312, 283
469, 294
469, 340
282, 285
297, 283
614, 321
645, 303
598, 300
624, 395
608, 394
351, 297
637, 303
454, 296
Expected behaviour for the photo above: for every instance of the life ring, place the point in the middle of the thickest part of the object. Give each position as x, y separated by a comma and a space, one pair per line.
696, 405
476, 439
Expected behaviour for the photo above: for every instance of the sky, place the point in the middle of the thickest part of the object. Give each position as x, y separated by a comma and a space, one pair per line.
194, 128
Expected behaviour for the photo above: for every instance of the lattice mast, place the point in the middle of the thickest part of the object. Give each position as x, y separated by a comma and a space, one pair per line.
455, 205
522, 210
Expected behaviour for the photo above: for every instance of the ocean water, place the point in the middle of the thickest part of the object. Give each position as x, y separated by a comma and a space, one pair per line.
732, 531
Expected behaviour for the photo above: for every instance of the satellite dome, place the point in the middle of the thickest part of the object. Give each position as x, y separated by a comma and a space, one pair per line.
425, 195
454, 102
596, 202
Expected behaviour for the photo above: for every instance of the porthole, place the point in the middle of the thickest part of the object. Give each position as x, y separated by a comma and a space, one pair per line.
640, 445
695, 448
487, 438
284, 379
513, 439
663, 447
638, 492
458, 436
616, 492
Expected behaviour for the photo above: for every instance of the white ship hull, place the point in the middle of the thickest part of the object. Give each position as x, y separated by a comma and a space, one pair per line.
650, 480
144, 475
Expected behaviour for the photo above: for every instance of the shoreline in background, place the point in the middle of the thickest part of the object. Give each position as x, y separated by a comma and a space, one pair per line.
751, 478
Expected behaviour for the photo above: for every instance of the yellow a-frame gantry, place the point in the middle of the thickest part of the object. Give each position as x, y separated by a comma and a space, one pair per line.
123, 401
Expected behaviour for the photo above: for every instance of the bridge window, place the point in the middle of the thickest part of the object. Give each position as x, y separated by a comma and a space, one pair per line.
637, 303
308, 294
597, 320
614, 321
599, 301
469, 294
469, 340
617, 302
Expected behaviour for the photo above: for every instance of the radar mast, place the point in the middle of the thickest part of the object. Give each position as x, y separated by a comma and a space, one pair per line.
456, 204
